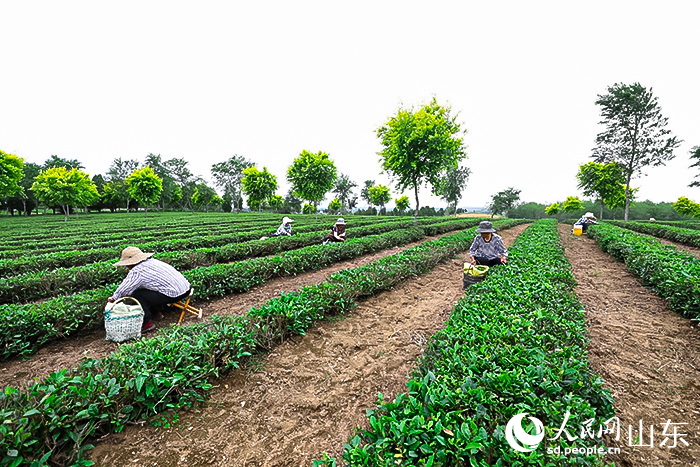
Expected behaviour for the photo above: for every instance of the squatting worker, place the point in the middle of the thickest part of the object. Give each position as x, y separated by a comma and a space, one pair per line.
337, 233
284, 229
487, 248
152, 282
587, 220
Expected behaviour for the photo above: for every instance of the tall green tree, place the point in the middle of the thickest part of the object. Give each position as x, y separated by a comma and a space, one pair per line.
604, 181
695, 155
571, 204
144, 186
58, 186
451, 184
379, 195
503, 201
364, 192
55, 161
402, 204
120, 169
687, 207
552, 209
259, 186
343, 190
312, 176
228, 175
25, 200
11, 174
420, 145
205, 197
635, 132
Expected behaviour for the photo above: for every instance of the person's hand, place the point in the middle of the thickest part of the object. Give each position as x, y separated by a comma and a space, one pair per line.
472, 260
110, 299
504, 260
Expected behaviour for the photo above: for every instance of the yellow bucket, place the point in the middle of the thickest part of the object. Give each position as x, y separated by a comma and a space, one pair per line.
578, 229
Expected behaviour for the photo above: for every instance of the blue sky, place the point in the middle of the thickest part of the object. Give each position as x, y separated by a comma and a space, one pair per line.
206, 80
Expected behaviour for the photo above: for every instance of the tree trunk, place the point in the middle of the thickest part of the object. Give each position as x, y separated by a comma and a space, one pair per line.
627, 196
65, 213
601, 209
415, 213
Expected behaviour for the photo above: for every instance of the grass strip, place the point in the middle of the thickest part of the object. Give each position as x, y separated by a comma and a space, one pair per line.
684, 236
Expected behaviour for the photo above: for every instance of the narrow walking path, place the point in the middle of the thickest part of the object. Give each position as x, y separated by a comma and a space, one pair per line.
648, 355
67, 353
308, 395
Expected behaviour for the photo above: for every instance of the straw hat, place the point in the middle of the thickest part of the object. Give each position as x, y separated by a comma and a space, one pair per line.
485, 227
340, 221
132, 256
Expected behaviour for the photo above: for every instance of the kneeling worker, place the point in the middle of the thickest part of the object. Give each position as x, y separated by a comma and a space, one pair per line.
587, 220
152, 282
487, 248
337, 233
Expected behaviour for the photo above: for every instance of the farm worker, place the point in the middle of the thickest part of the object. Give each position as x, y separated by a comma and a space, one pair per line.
487, 248
284, 229
152, 282
587, 219
337, 233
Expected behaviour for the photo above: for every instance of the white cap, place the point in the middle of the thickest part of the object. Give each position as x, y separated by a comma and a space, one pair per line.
286, 220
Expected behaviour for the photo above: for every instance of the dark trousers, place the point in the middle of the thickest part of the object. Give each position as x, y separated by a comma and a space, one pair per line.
152, 301
480, 260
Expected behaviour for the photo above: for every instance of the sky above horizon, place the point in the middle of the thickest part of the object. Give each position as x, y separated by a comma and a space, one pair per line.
203, 81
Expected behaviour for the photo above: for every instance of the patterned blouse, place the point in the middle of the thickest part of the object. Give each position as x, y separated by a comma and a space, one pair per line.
490, 250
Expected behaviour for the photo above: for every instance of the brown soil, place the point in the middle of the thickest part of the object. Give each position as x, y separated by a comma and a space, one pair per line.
648, 355
308, 395
67, 353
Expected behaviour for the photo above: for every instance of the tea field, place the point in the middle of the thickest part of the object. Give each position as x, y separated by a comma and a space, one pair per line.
299, 338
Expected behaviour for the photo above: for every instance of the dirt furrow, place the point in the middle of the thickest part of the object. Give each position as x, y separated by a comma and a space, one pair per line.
648, 355
307, 396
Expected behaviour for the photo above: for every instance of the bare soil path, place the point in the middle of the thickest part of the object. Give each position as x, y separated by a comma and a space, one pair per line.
67, 353
307, 396
648, 355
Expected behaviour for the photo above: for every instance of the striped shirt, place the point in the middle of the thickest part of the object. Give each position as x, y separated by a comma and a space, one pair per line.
585, 221
153, 274
490, 250
284, 229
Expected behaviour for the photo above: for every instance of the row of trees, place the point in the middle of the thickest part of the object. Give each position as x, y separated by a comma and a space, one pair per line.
421, 147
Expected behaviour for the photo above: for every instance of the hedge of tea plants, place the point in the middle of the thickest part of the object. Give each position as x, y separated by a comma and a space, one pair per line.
515, 343
53, 420
26, 328
685, 236
671, 273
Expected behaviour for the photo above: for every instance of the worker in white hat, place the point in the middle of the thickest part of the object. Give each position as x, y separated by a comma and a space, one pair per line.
587, 220
284, 229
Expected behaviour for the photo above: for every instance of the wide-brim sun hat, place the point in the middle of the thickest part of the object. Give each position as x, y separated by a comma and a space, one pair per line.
286, 220
485, 227
340, 221
589, 215
131, 256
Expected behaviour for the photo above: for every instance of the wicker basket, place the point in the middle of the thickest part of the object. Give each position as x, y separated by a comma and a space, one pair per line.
473, 274
122, 321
